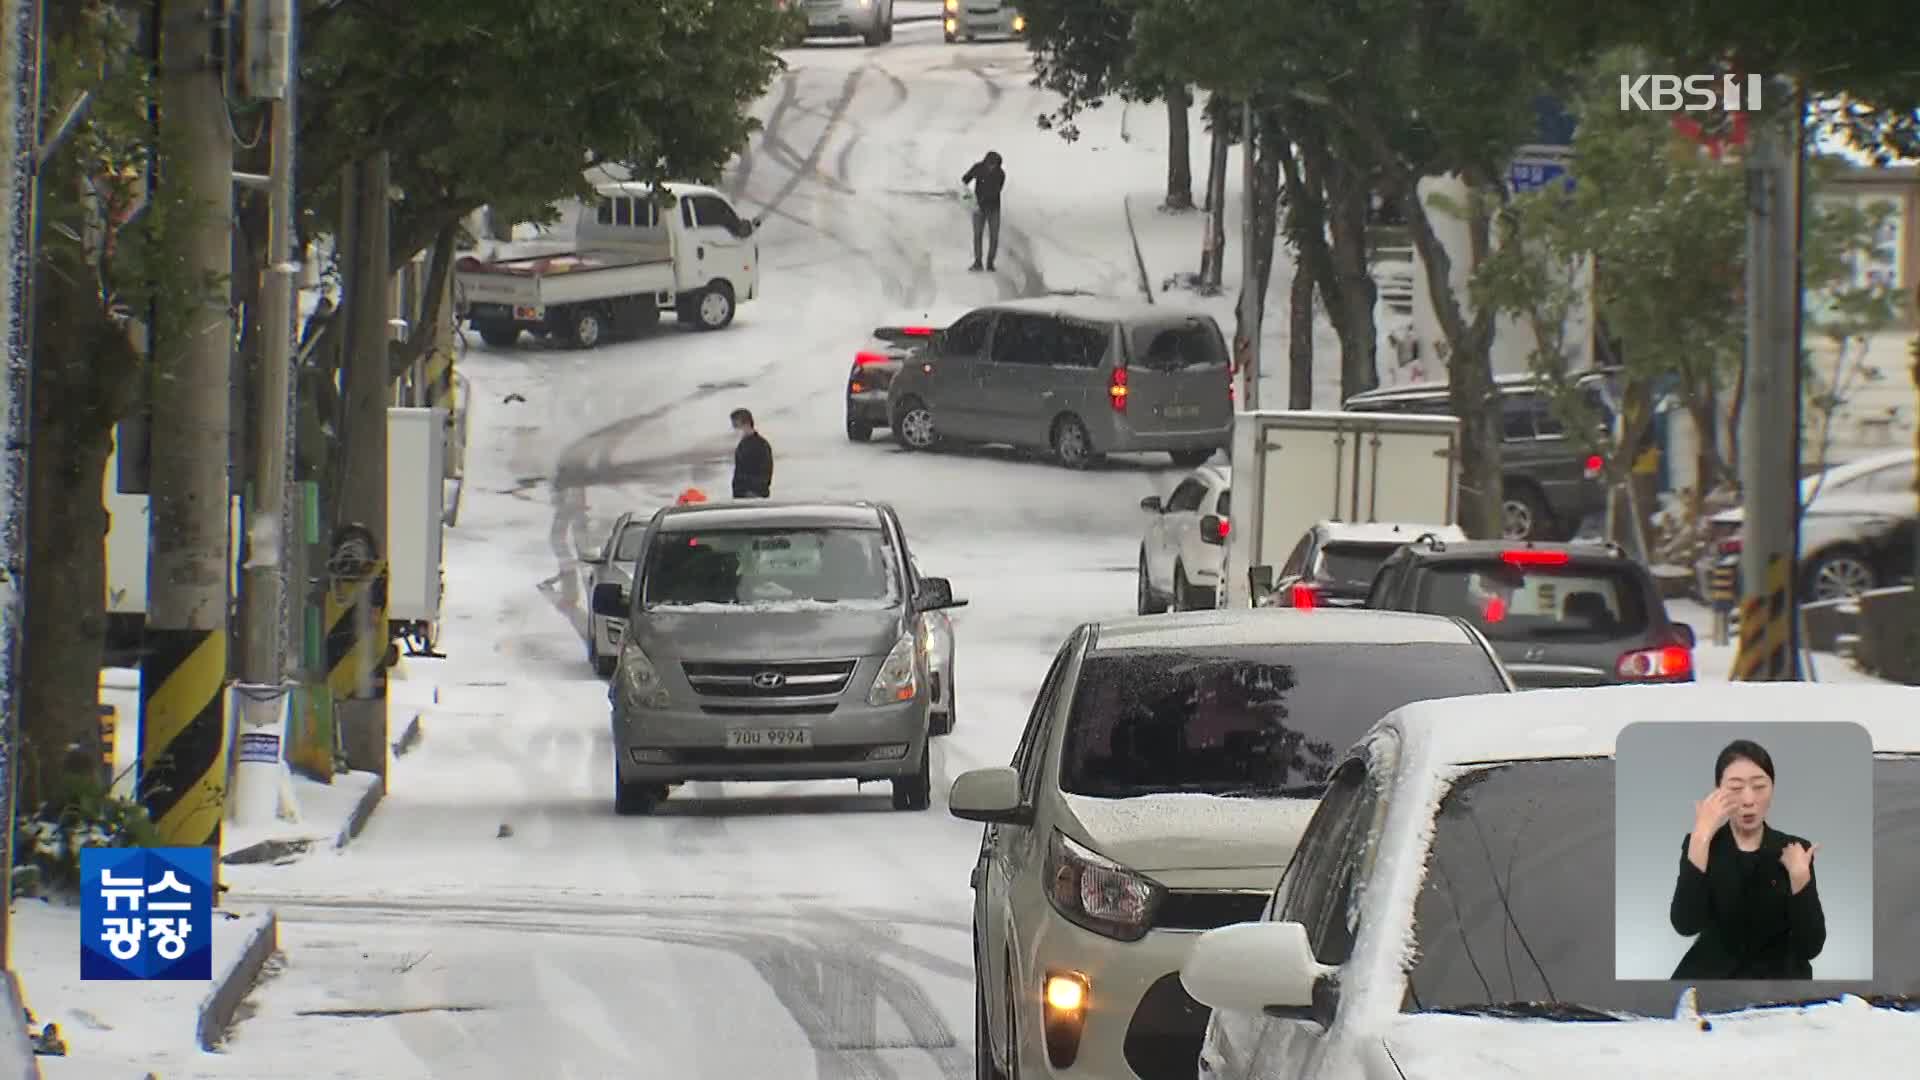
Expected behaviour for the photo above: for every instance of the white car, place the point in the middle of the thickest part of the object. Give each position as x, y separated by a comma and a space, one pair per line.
611, 565
1183, 552
1449, 911
1164, 774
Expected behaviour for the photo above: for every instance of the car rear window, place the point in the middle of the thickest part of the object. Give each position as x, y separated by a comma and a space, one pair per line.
1261, 720
1177, 348
1509, 602
1353, 564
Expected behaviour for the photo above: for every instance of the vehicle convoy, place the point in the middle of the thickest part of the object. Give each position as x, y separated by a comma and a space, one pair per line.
641, 250
1295, 469
1080, 377
1184, 546
965, 20
1859, 524
1558, 614
772, 641
1458, 835
1167, 767
1335, 563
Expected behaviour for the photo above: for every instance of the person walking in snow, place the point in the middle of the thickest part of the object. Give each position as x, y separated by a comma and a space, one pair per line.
752, 460
987, 178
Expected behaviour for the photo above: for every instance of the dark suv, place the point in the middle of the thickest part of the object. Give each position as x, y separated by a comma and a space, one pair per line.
1550, 482
1558, 614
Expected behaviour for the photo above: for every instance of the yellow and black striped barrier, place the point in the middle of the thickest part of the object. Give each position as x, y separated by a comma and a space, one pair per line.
356, 651
109, 722
1766, 629
183, 733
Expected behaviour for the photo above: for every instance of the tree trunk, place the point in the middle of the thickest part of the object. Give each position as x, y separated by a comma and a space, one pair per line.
1349, 196
1213, 255
1179, 148
1267, 147
1300, 342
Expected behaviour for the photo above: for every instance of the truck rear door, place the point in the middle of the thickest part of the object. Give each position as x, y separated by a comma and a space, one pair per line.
1406, 473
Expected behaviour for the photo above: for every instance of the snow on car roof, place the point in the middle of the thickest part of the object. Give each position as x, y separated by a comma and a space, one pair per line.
1277, 626
1585, 722
763, 514
1858, 466
1387, 532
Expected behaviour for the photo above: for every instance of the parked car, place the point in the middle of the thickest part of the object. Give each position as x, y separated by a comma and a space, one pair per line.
875, 365
1858, 528
1184, 548
772, 641
870, 20
1449, 911
1163, 776
611, 565
1550, 483
1079, 376
1558, 614
1334, 564
965, 20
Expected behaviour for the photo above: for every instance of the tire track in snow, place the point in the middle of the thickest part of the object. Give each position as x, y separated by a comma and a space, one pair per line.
811, 162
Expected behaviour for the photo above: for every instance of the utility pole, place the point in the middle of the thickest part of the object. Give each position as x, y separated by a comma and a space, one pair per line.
360, 679
1770, 432
183, 667
20, 196
1251, 302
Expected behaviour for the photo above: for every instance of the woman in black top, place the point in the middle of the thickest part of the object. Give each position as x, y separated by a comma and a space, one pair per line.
1745, 888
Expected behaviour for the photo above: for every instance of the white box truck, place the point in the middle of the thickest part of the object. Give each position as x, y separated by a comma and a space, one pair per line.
1294, 469
682, 248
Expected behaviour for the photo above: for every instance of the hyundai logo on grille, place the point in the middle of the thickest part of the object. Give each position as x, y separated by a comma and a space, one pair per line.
769, 680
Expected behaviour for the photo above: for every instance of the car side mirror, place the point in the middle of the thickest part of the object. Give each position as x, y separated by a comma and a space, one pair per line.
1260, 578
989, 795
1213, 529
934, 594
1151, 504
610, 601
1687, 636
1254, 968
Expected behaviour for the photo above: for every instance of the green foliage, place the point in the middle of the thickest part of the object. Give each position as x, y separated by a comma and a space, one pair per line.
1082, 50
506, 103
82, 813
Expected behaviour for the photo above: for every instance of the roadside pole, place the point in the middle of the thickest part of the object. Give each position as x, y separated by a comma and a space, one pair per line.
1251, 303
1769, 437
183, 667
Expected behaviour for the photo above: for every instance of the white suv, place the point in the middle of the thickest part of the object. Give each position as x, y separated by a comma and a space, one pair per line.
1165, 773
1184, 551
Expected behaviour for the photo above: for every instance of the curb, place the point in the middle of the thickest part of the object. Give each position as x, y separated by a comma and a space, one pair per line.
362, 811
409, 737
216, 1012
16, 1045
1139, 259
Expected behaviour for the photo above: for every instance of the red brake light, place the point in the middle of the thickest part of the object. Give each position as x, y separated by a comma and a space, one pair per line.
1732, 545
1302, 596
1117, 389
917, 331
862, 359
1225, 527
1530, 557
1495, 611
1595, 466
856, 388
1667, 662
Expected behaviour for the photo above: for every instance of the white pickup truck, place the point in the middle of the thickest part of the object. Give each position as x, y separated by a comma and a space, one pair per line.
641, 251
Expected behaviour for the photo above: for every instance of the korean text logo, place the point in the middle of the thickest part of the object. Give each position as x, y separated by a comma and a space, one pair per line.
1690, 93
146, 913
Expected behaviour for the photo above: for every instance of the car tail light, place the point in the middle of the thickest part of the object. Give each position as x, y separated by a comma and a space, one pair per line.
1117, 389
1666, 662
1304, 597
1595, 466
1732, 545
1530, 557
862, 359
856, 387
917, 331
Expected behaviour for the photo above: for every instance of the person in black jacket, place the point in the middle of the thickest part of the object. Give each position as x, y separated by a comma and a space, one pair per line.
987, 178
1746, 888
752, 460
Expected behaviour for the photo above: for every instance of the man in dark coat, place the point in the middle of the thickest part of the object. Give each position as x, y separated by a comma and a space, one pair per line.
752, 460
987, 178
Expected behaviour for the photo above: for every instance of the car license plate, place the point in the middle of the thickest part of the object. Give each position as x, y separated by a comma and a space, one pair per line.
531, 314
1181, 412
768, 738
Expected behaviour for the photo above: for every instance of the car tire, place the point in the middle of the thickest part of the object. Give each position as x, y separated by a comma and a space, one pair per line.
586, 327
636, 800
713, 307
1191, 459
498, 335
858, 430
1524, 514
876, 36
1144, 602
915, 791
913, 425
602, 665
1185, 596
984, 1067
1836, 573
1072, 445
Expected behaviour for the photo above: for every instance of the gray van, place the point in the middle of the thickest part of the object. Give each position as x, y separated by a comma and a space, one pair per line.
1078, 376
772, 641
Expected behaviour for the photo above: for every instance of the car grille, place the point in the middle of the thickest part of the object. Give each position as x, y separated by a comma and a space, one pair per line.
1208, 910
812, 755
769, 681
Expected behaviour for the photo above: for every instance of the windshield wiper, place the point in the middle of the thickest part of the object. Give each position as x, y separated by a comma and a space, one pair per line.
1896, 1002
1271, 791
1529, 1010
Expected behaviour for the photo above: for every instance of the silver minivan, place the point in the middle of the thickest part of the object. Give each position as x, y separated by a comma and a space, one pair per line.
1078, 376
772, 641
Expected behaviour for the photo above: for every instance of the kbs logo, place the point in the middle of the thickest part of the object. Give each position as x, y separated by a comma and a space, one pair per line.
1690, 93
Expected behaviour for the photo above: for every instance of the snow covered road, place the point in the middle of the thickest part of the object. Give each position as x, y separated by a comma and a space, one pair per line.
497, 919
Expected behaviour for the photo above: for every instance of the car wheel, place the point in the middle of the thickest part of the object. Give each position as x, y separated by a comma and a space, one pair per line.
1180, 589
984, 1067
1191, 459
915, 791
1072, 446
636, 800
1524, 515
913, 425
858, 430
498, 335
1144, 602
603, 665
585, 327
1839, 573
714, 309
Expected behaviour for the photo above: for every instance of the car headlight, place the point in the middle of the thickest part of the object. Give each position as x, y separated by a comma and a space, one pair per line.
641, 679
898, 678
1096, 893
953, 5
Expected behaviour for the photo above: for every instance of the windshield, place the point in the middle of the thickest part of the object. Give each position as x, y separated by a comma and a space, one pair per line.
1261, 720
1523, 603
630, 540
771, 566
1517, 905
1354, 564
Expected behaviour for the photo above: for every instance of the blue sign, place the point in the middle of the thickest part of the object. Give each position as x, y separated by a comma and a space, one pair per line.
146, 913
1534, 173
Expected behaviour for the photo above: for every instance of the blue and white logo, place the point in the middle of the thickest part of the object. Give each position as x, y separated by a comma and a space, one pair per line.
146, 913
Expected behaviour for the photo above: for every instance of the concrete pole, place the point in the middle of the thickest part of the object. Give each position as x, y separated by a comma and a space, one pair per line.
363, 483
